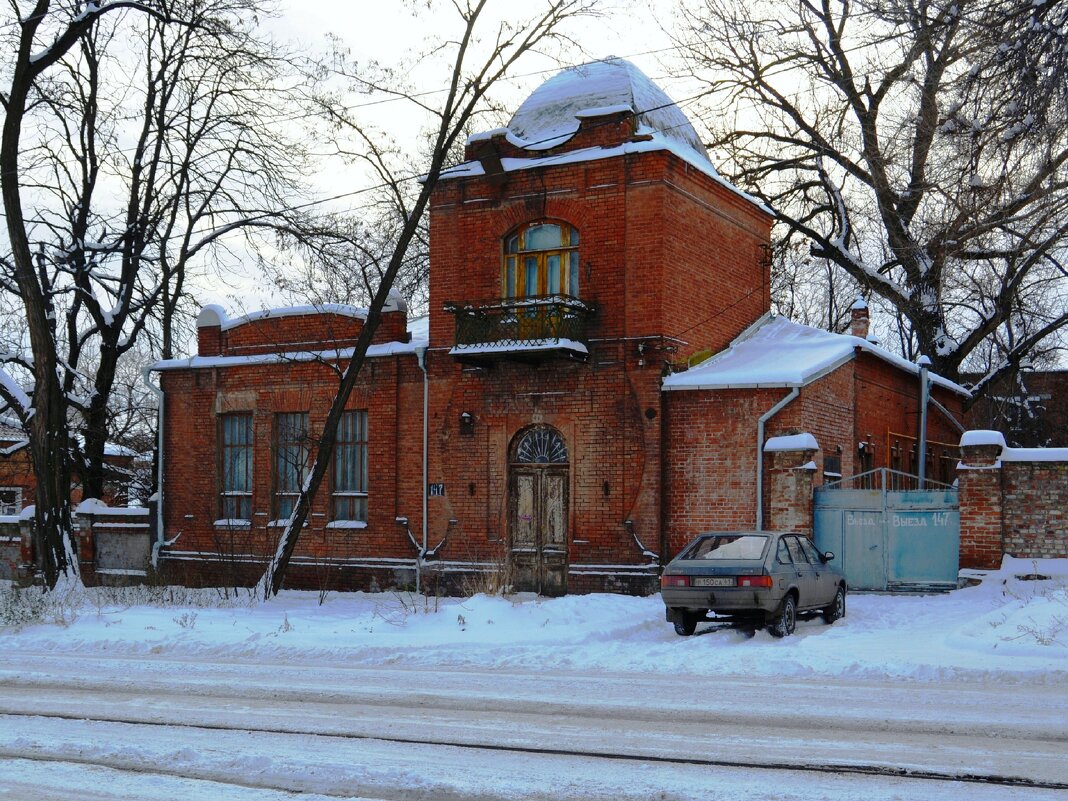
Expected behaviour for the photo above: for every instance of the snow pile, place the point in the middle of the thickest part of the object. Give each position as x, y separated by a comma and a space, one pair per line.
1013, 626
792, 442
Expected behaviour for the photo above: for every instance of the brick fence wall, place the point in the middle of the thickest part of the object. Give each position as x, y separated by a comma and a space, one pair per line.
1012, 501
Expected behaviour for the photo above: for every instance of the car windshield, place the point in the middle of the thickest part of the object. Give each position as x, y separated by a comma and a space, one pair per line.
737, 546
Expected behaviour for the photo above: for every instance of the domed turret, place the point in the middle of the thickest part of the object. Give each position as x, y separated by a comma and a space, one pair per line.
553, 113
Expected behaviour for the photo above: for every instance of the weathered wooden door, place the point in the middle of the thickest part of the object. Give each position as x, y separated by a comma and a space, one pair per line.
538, 513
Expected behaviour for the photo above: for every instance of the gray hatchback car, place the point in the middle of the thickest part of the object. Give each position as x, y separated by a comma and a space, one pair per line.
752, 578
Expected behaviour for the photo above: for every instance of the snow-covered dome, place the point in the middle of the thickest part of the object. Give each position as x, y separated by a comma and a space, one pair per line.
551, 115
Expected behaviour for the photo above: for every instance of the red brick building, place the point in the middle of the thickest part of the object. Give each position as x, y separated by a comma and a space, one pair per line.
18, 484
537, 421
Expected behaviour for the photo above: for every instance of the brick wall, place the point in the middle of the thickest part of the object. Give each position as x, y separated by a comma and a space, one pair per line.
1012, 501
389, 389
664, 250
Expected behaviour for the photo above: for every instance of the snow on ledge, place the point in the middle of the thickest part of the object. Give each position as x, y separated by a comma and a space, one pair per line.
350, 524
342, 309
792, 442
655, 142
334, 355
1034, 454
982, 437
94, 506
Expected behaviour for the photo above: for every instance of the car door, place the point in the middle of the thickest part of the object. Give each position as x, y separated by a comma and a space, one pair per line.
806, 577
823, 578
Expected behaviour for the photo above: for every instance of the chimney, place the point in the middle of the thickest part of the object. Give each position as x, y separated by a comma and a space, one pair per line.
394, 325
858, 318
209, 330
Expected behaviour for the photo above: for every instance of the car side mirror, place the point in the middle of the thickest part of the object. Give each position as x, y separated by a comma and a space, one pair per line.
826, 557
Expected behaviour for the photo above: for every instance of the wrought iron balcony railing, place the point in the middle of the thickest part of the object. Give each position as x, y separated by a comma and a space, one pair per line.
521, 324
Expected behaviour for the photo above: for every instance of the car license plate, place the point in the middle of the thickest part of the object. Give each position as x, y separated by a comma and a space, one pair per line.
713, 581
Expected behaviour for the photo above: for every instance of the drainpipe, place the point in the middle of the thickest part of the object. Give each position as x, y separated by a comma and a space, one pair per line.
921, 440
770, 413
158, 392
420, 358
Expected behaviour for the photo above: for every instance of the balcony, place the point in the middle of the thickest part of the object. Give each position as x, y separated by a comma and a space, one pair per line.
532, 329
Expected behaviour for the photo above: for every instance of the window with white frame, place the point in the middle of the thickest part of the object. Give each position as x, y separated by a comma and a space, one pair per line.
350, 468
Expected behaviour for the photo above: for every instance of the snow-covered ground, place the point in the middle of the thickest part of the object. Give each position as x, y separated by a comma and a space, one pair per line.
1007, 628
180, 694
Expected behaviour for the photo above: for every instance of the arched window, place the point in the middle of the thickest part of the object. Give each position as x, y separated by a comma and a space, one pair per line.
541, 259
541, 445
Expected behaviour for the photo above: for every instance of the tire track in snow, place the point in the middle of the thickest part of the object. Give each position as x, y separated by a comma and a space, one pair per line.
884, 771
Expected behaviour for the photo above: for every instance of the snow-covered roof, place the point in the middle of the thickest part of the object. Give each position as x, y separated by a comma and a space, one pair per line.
777, 352
550, 116
553, 112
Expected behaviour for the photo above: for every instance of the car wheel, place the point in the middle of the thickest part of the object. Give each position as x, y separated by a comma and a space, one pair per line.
785, 620
836, 611
687, 625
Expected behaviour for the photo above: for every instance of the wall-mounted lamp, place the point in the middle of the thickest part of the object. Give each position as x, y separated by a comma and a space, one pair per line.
467, 423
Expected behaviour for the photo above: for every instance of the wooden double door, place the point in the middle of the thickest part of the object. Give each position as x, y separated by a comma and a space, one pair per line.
538, 526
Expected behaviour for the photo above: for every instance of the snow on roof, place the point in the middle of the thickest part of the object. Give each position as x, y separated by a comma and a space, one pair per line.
777, 352
792, 442
292, 311
418, 328
552, 115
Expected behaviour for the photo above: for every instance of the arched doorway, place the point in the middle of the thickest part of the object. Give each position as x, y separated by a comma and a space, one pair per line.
537, 511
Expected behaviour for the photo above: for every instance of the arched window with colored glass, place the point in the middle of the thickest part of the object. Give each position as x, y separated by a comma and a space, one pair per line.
540, 259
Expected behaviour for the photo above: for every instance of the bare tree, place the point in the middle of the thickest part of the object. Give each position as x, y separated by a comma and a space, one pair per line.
142, 142
918, 147
478, 61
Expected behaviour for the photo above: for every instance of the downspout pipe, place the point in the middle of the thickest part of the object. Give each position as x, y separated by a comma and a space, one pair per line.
921, 439
420, 359
770, 413
146, 377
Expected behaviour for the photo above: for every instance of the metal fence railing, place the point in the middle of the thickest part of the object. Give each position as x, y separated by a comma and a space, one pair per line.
884, 478
520, 321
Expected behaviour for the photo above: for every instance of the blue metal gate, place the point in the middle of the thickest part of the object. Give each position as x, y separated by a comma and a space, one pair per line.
886, 535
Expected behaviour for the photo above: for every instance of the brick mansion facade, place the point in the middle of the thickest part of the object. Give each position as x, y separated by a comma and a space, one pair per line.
599, 378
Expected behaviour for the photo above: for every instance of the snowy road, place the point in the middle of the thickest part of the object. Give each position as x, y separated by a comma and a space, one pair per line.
105, 727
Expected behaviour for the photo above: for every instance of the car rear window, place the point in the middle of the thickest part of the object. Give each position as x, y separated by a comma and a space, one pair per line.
740, 546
